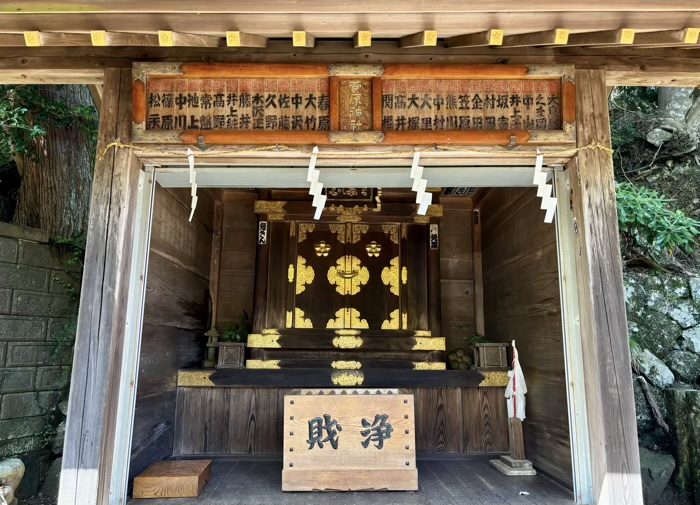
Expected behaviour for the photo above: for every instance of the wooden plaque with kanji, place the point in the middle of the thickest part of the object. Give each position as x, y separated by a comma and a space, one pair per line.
349, 440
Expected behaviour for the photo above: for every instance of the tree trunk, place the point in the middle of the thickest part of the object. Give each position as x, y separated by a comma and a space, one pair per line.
55, 191
674, 102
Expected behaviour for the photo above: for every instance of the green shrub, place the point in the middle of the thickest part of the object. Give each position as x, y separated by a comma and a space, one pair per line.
649, 228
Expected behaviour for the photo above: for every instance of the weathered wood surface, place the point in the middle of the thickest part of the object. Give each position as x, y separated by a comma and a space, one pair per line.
521, 303
174, 318
90, 444
249, 420
173, 479
609, 393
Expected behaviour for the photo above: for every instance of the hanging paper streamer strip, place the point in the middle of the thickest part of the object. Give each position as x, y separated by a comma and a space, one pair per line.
544, 190
193, 182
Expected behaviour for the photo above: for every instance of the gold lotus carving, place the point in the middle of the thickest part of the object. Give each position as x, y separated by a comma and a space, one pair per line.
305, 228
300, 321
305, 274
390, 276
346, 365
393, 231
348, 275
347, 318
393, 322
349, 378
339, 230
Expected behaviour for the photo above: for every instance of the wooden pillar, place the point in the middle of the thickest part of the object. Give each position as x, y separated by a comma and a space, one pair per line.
102, 322
606, 354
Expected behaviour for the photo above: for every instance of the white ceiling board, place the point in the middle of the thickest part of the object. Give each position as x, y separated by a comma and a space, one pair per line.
345, 177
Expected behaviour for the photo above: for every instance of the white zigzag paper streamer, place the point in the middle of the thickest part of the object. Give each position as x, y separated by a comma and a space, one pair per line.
316, 188
544, 190
193, 182
423, 199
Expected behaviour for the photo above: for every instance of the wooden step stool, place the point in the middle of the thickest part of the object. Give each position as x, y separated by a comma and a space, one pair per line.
173, 479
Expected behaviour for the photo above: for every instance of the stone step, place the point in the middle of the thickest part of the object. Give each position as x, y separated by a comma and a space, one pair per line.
507, 470
516, 463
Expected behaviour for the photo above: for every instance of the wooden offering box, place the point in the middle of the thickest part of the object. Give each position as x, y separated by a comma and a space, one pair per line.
173, 479
349, 440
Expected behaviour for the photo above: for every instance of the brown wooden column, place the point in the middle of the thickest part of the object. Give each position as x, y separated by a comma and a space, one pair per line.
89, 443
606, 356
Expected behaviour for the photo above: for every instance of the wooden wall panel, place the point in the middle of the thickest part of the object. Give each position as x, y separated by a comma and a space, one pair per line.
456, 268
237, 275
175, 317
485, 420
521, 303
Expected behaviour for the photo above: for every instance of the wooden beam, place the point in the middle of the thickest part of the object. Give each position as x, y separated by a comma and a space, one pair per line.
362, 39
637, 78
242, 39
168, 38
38, 39
92, 404
105, 38
425, 38
558, 37
606, 354
96, 93
53, 76
303, 39
623, 36
487, 38
687, 37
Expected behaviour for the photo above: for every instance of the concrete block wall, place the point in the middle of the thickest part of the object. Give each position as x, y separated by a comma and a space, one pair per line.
37, 314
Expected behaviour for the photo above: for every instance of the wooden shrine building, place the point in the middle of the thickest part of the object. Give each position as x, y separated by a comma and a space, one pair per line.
259, 158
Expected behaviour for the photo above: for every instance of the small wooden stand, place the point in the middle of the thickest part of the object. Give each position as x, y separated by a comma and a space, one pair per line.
514, 464
173, 479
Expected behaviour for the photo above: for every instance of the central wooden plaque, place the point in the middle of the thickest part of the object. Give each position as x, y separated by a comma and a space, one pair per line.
349, 440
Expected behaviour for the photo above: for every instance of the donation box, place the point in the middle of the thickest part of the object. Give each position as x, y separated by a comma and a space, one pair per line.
349, 440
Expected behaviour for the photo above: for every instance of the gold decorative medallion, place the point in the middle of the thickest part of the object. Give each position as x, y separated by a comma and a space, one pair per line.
494, 379
373, 249
347, 318
339, 230
290, 273
429, 344
322, 248
264, 341
346, 365
427, 365
393, 322
393, 231
390, 276
348, 275
347, 378
357, 231
305, 228
347, 342
305, 274
300, 321
270, 364
192, 378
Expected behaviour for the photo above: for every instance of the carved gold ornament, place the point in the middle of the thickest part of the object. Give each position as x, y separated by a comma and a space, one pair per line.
346, 365
347, 318
390, 276
393, 322
300, 321
305, 274
347, 342
404, 321
357, 231
349, 219
290, 273
348, 275
429, 344
373, 249
260, 341
194, 378
270, 364
339, 230
344, 331
289, 323
322, 248
404, 275
347, 378
494, 379
427, 365
423, 333
393, 231
305, 228
404, 231
269, 207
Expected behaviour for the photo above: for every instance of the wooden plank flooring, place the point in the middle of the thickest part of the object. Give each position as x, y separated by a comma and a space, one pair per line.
442, 482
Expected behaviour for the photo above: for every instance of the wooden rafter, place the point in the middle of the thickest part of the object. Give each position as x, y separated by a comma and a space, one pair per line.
687, 37
242, 39
426, 38
167, 38
556, 37
623, 36
487, 38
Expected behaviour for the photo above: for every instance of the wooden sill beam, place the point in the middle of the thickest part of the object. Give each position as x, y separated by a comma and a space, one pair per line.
487, 38
426, 38
362, 39
167, 38
303, 39
242, 39
623, 36
556, 37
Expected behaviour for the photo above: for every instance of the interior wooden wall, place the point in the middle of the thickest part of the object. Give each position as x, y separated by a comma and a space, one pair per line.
174, 318
237, 273
521, 303
249, 420
456, 269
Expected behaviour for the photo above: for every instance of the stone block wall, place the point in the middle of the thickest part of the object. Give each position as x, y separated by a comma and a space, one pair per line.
37, 321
